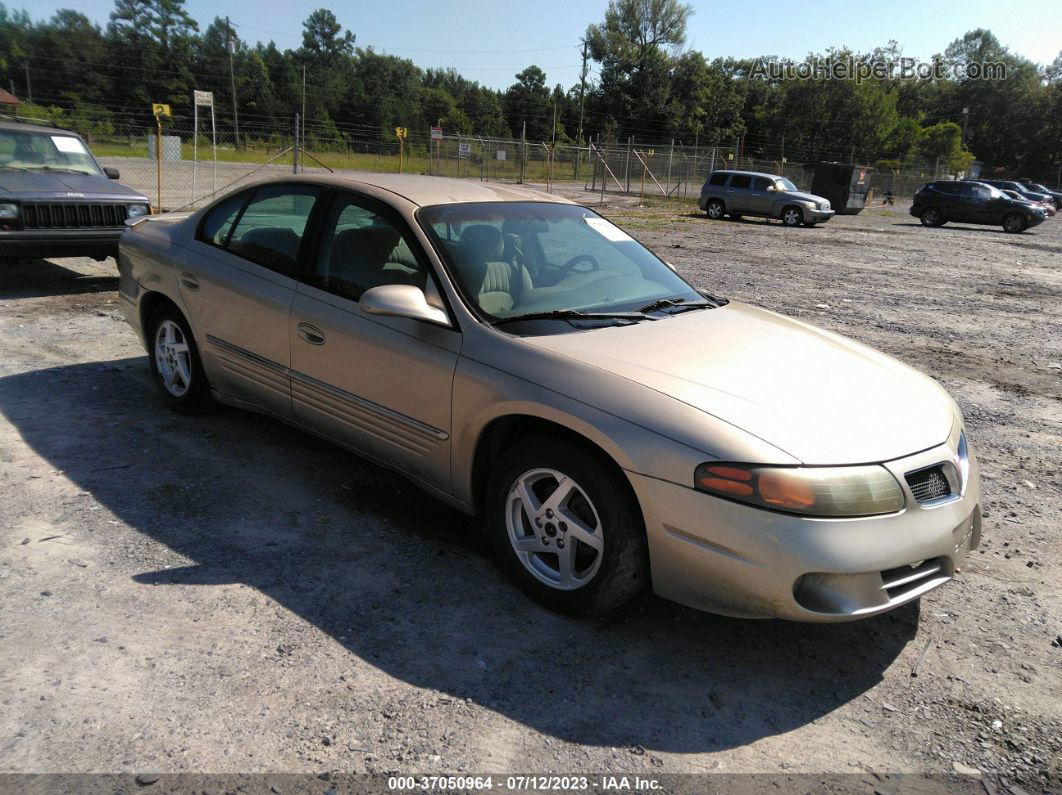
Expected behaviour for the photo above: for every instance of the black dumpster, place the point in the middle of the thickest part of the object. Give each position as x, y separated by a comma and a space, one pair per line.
844, 185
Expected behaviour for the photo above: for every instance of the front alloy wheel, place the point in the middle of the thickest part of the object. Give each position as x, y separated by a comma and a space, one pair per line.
1014, 223
554, 529
792, 216
566, 527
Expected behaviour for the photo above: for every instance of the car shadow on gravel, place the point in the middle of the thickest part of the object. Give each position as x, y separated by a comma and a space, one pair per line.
405, 583
31, 278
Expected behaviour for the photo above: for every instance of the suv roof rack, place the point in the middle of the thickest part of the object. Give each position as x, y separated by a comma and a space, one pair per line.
28, 120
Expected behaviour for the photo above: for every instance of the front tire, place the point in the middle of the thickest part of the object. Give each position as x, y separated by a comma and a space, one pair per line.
715, 209
792, 216
1013, 224
175, 363
566, 528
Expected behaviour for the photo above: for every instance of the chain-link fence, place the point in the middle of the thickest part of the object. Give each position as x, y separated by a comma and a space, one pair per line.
197, 168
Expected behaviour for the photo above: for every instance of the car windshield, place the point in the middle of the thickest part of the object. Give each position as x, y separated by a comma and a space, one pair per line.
518, 258
784, 184
36, 151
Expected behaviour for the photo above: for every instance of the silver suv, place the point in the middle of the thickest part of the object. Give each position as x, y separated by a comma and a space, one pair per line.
738, 193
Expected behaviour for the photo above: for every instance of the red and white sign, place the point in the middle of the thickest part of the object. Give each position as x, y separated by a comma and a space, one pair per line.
436, 133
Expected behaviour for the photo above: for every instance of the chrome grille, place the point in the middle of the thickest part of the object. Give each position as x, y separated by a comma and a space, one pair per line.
56, 215
929, 484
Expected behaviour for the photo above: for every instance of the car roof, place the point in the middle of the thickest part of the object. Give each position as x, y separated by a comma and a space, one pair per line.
747, 173
423, 190
20, 127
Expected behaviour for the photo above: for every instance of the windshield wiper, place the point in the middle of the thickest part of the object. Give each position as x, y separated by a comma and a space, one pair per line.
684, 303
571, 314
54, 168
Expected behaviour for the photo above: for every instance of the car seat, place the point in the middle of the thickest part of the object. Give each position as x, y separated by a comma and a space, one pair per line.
497, 282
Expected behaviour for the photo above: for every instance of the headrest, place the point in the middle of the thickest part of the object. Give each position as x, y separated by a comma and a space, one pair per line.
372, 244
281, 240
481, 243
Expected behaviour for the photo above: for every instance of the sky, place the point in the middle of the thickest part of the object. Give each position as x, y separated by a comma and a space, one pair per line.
491, 40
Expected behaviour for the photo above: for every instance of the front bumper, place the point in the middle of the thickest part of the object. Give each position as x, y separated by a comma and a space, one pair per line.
60, 242
734, 559
818, 216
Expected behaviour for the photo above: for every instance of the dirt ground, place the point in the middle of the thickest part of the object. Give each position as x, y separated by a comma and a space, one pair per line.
226, 594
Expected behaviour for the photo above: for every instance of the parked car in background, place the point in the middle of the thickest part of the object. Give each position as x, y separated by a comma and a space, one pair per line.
738, 193
1049, 207
527, 361
1017, 187
973, 202
55, 198
1056, 195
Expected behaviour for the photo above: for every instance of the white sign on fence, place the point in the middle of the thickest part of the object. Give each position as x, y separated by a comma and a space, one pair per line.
204, 98
500, 154
436, 133
464, 150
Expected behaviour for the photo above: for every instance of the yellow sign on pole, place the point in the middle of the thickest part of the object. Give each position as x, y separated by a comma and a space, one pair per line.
401, 132
160, 109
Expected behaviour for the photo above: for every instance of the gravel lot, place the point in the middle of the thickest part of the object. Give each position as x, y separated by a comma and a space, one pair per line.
225, 594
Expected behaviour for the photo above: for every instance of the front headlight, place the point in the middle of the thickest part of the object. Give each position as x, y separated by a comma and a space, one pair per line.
962, 462
809, 491
8, 211
137, 210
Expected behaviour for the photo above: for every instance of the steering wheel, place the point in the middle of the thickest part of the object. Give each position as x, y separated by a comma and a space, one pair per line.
569, 266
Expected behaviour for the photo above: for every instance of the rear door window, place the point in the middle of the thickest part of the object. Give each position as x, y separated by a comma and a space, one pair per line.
762, 183
218, 223
740, 181
718, 179
270, 229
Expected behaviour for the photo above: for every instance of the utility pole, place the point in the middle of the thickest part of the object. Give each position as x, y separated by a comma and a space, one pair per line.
965, 121
29, 86
523, 151
302, 136
582, 96
232, 80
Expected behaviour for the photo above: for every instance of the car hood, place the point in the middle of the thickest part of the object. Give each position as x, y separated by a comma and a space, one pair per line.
801, 196
41, 185
820, 397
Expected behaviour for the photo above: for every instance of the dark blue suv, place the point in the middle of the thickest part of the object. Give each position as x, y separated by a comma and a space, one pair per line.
55, 198
970, 202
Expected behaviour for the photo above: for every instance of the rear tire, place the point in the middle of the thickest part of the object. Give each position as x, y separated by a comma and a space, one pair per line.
715, 209
931, 216
1013, 224
792, 216
566, 528
175, 363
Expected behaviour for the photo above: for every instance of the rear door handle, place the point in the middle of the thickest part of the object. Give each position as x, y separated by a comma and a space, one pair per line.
311, 334
189, 281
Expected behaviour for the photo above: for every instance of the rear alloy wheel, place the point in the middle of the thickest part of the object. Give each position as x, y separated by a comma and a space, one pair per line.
931, 217
1014, 223
715, 209
562, 527
792, 216
175, 364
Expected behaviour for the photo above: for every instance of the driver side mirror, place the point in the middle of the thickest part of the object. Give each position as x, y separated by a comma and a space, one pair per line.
110, 172
401, 300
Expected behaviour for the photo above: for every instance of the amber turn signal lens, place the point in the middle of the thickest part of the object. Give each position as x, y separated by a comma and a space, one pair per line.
779, 488
726, 486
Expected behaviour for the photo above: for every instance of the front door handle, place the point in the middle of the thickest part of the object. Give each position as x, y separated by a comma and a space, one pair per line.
189, 281
311, 334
